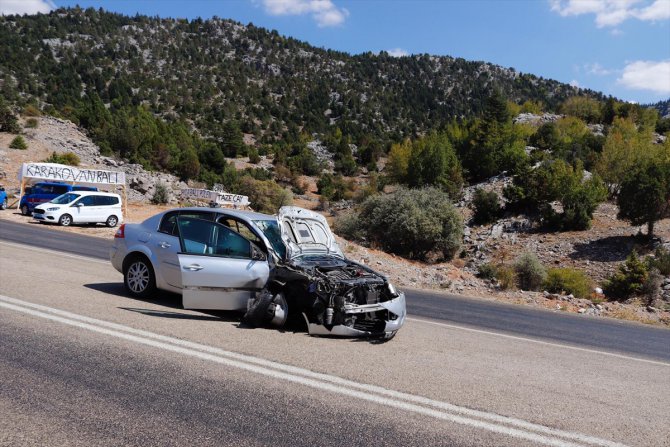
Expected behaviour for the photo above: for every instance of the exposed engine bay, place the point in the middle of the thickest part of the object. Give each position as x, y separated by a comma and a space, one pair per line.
335, 296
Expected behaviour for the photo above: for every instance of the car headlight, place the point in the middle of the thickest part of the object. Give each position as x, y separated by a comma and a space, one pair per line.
55, 208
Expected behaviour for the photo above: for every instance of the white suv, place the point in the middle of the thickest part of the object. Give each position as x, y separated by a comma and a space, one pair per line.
89, 207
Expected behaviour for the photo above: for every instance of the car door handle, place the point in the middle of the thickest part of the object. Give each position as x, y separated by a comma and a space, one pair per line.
193, 267
164, 245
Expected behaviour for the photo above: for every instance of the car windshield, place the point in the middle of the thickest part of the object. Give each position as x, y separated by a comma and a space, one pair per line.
65, 198
270, 229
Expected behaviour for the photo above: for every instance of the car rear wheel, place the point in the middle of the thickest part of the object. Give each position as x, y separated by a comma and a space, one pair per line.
138, 277
112, 221
24, 210
65, 220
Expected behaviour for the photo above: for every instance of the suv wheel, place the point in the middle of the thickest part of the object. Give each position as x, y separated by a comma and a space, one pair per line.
65, 220
138, 277
25, 211
112, 221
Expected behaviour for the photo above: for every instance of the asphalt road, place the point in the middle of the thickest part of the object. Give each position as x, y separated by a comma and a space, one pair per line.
590, 332
83, 364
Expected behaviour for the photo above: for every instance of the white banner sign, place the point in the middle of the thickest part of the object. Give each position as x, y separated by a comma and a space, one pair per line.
64, 173
203, 195
222, 198
232, 199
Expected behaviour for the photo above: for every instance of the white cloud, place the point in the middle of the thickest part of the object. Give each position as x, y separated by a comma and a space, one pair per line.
324, 12
397, 52
596, 69
575, 83
614, 12
647, 75
659, 10
9, 7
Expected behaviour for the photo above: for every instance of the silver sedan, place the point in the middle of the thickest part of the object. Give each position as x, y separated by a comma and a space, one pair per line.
272, 267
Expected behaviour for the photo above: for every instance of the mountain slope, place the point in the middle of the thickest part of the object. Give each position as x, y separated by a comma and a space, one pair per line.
213, 71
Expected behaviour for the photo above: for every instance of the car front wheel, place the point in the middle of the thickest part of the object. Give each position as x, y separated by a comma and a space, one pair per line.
65, 220
3, 205
138, 277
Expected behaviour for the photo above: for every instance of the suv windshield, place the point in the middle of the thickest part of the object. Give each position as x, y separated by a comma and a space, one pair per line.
65, 199
270, 229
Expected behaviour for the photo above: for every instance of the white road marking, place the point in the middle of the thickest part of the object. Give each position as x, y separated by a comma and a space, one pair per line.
55, 252
540, 342
416, 404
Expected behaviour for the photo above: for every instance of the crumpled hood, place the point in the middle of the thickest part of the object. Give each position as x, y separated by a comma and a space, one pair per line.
306, 232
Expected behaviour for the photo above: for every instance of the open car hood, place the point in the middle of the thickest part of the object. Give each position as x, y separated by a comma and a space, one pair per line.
306, 232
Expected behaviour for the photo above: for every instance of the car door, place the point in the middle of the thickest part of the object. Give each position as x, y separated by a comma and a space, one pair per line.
99, 208
219, 268
165, 245
83, 210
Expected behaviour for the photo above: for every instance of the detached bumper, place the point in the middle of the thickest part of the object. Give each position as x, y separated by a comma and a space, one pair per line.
397, 314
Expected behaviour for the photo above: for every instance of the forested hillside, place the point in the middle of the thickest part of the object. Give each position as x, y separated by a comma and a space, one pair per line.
663, 107
182, 95
211, 73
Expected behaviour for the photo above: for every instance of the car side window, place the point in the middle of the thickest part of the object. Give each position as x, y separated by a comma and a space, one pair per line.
100, 200
241, 228
86, 201
205, 237
169, 223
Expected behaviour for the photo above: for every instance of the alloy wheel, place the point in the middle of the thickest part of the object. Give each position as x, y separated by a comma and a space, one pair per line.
138, 277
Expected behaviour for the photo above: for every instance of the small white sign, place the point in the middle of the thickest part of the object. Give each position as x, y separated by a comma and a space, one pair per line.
203, 195
222, 198
64, 173
225, 198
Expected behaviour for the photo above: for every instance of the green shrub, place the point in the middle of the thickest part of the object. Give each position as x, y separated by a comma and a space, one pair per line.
18, 143
660, 261
627, 280
506, 277
529, 271
348, 226
8, 121
487, 271
486, 205
254, 157
31, 110
651, 289
266, 196
415, 223
334, 187
67, 158
568, 280
189, 165
31, 123
161, 195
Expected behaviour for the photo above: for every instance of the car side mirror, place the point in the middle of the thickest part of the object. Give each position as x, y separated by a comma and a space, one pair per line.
78, 204
257, 254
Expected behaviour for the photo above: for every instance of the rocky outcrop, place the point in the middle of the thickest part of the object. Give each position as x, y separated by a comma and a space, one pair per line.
63, 136
536, 120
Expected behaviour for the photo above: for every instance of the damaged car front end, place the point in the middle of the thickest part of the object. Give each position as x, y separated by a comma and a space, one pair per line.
335, 296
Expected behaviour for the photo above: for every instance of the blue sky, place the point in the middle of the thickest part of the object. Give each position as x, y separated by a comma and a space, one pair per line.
619, 47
